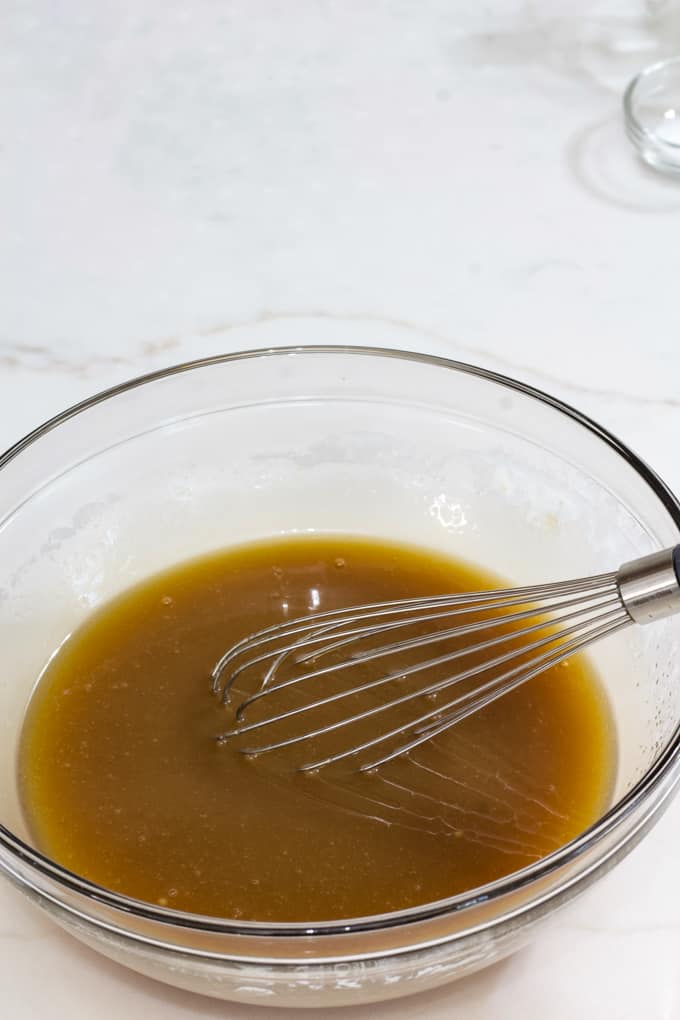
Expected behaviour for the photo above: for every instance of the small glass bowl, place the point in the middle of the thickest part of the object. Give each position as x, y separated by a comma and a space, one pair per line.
651, 107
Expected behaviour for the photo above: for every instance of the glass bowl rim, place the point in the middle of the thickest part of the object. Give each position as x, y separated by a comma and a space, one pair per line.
653, 778
635, 126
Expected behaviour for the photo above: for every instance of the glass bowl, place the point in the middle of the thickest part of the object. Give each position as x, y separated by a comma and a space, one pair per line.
651, 107
373, 442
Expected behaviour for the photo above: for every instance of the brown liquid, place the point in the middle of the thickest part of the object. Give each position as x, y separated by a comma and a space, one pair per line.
124, 783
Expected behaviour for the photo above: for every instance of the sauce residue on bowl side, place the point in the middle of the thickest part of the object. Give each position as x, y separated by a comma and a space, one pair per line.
123, 782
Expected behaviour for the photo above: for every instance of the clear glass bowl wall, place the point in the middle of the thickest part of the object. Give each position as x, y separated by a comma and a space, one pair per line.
376, 443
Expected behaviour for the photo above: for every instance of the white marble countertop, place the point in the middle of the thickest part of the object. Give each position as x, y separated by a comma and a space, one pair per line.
184, 179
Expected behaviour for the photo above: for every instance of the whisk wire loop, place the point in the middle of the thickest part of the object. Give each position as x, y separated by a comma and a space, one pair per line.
545, 623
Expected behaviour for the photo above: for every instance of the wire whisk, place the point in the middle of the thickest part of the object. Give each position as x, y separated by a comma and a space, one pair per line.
491, 642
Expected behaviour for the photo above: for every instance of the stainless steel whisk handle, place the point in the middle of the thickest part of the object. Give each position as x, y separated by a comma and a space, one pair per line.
649, 587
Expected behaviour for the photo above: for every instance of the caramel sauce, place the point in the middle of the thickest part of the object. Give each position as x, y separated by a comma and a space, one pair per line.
124, 783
